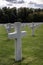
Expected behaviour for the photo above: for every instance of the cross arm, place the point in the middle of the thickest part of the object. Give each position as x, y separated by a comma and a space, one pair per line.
23, 33
12, 35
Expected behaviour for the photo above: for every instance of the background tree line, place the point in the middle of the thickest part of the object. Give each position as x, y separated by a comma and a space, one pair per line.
11, 15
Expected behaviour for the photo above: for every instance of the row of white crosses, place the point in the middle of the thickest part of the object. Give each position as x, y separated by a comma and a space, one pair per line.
32, 26
17, 35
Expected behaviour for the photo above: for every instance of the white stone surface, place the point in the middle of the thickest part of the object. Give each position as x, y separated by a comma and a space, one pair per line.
32, 28
17, 36
8, 27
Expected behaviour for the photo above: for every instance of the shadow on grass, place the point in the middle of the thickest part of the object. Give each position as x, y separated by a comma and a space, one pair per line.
23, 62
17, 62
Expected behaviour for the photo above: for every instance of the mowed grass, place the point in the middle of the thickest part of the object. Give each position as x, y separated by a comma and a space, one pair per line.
32, 47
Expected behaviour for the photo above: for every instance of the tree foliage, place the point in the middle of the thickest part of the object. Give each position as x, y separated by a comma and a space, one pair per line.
11, 15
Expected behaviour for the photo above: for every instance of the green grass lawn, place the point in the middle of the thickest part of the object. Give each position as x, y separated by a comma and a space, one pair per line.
32, 48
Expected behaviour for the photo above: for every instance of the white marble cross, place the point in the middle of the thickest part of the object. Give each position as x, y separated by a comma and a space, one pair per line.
17, 35
8, 27
33, 28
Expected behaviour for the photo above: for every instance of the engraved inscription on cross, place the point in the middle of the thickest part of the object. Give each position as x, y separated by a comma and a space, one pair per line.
17, 35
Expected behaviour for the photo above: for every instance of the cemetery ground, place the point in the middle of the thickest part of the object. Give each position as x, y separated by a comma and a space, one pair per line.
32, 47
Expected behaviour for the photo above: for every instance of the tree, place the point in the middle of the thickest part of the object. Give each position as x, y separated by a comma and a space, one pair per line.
13, 15
23, 14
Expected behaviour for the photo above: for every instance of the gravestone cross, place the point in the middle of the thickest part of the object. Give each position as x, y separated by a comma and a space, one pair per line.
17, 35
8, 27
32, 28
